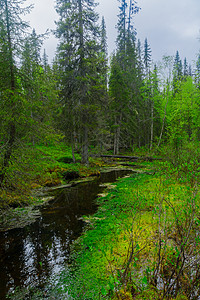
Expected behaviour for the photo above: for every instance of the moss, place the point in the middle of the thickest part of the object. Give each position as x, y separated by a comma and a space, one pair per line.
149, 294
182, 297
19, 217
44, 166
131, 218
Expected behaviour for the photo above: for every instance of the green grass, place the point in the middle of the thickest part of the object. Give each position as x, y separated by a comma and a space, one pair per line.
134, 215
40, 166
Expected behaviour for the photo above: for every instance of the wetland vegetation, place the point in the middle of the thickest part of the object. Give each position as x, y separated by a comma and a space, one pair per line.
64, 122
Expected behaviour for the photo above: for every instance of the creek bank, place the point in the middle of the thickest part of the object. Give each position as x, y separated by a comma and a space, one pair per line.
20, 217
132, 158
133, 246
41, 250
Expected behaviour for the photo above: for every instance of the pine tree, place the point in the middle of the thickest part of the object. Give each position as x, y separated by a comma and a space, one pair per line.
25, 94
190, 70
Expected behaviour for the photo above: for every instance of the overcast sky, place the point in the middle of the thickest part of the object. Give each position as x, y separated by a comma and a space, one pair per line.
169, 25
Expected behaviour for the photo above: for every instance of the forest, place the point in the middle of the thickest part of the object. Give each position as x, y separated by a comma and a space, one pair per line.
56, 120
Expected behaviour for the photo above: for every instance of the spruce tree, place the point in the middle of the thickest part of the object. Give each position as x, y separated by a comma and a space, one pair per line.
125, 67
119, 96
147, 96
147, 56
104, 46
39, 89
177, 72
197, 73
104, 49
80, 61
12, 33
185, 68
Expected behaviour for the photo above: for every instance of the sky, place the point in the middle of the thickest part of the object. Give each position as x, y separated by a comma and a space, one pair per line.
168, 25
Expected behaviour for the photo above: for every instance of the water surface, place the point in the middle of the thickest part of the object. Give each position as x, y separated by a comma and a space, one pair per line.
31, 255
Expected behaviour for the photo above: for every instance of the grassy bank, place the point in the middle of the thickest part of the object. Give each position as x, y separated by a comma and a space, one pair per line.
143, 243
42, 167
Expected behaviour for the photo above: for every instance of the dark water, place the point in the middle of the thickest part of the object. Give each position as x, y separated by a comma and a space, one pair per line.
31, 255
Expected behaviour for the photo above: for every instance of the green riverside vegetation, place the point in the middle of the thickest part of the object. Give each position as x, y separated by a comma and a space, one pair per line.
143, 242
57, 119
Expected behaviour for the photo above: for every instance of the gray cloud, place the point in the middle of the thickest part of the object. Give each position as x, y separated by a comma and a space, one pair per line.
168, 25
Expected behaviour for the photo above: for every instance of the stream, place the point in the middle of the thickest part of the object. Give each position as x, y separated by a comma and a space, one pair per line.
29, 256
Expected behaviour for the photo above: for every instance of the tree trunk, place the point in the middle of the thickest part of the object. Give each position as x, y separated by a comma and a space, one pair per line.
85, 159
12, 77
12, 127
72, 145
117, 135
85, 156
8, 152
116, 142
152, 116
163, 124
81, 40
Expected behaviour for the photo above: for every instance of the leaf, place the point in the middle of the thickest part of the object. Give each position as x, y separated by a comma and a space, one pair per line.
104, 291
144, 280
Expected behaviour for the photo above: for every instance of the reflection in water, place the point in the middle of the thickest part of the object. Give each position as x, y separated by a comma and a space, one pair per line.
29, 256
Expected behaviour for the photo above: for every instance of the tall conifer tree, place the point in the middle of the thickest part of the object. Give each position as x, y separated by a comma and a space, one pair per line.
125, 67
81, 65
12, 29
147, 56
177, 71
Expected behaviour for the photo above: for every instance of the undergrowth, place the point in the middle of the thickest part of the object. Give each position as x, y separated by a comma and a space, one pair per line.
41, 166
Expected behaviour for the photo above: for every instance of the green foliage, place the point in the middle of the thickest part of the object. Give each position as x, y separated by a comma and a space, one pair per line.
149, 294
28, 96
183, 120
82, 71
147, 56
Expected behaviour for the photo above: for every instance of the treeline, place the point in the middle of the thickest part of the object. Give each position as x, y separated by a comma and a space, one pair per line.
83, 96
